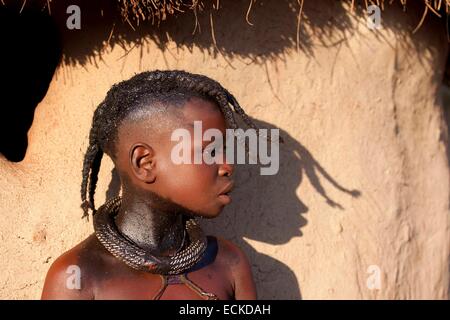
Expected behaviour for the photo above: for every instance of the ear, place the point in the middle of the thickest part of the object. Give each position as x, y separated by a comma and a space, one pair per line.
142, 161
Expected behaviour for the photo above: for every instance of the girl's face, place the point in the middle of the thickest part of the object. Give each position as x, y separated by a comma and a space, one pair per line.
199, 187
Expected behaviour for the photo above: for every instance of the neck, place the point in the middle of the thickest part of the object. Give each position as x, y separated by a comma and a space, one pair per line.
154, 224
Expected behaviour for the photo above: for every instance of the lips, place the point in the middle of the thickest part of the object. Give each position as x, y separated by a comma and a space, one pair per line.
224, 196
228, 188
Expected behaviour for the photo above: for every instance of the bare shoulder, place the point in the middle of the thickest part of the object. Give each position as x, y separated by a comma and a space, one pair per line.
230, 253
70, 275
238, 265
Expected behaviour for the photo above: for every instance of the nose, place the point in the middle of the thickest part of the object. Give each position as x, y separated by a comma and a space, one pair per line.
226, 170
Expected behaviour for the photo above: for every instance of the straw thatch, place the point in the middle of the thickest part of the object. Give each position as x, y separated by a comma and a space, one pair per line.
159, 10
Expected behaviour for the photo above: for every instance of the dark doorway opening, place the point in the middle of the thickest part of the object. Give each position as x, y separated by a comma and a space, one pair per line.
30, 53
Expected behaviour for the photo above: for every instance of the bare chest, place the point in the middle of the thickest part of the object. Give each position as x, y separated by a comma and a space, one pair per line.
207, 283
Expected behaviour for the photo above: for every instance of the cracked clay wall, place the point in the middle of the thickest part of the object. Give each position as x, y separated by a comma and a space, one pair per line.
362, 188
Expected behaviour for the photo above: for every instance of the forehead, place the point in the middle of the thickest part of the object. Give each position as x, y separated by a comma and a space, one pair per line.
205, 111
155, 127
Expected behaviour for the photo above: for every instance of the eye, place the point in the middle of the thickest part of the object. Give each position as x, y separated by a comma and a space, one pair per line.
212, 150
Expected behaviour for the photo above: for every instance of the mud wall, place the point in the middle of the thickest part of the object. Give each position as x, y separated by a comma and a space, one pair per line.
362, 190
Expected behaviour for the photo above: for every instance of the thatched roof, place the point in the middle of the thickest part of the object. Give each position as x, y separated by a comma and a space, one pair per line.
159, 10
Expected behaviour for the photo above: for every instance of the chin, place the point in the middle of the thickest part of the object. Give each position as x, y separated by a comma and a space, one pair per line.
212, 213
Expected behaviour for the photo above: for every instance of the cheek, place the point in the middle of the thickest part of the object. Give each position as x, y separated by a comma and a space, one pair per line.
191, 186
197, 176
189, 178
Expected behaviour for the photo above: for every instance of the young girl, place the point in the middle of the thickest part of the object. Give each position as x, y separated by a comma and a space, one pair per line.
147, 244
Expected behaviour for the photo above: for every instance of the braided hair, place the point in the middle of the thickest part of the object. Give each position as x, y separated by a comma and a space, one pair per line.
127, 96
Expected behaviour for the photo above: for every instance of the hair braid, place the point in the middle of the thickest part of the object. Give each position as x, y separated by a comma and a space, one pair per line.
87, 164
91, 165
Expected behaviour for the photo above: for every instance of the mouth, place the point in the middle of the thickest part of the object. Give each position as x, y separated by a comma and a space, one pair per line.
224, 195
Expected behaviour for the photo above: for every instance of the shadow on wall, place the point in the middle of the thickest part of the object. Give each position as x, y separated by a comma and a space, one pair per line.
444, 93
274, 28
267, 209
216, 32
